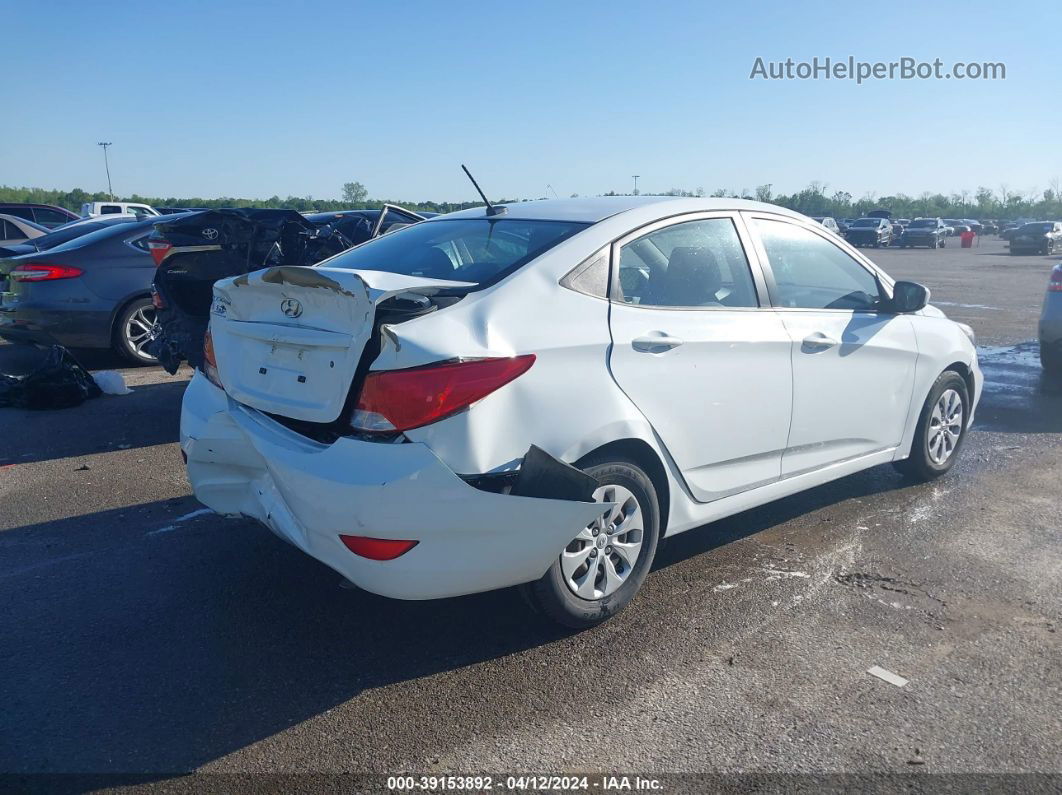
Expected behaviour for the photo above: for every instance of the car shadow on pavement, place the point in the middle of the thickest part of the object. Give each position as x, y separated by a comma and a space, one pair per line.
149, 415
748, 523
158, 650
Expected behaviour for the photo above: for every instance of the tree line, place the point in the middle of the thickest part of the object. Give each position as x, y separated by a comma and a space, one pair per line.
1001, 203
816, 200
73, 199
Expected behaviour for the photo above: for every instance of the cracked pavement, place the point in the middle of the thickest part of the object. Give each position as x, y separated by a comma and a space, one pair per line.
142, 636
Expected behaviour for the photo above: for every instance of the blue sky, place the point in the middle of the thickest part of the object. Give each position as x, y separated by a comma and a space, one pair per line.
255, 99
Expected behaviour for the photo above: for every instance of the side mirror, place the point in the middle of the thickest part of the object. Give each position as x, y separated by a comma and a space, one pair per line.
909, 297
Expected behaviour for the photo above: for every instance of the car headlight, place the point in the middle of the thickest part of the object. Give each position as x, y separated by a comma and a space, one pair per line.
969, 332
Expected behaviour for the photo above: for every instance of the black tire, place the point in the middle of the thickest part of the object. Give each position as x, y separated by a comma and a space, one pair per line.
552, 596
124, 346
1051, 360
920, 465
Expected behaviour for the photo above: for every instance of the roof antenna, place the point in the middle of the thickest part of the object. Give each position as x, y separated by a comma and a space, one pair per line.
491, 209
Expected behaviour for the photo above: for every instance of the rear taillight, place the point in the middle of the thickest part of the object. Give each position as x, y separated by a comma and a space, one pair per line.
44, 273
376, 548
156, 299
159, 249
210, 364
399, 400
1055, 285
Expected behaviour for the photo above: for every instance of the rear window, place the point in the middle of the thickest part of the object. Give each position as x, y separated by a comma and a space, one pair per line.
108, 231
479, 250
924, 223
868, 222
50, 217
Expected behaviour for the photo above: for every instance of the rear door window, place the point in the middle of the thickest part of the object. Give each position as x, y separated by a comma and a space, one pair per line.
691, 264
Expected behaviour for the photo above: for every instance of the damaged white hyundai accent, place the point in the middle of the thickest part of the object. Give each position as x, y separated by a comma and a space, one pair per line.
536, 394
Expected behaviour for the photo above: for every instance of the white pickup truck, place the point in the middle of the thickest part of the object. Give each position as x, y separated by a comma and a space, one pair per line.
92, 209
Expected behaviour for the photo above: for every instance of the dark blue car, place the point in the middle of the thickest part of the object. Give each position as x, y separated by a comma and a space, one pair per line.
91, 292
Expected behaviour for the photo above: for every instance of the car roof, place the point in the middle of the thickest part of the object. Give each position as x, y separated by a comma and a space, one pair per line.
592, 210
34, 204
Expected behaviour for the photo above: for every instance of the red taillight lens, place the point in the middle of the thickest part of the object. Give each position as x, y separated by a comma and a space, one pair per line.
399, 400
44, 273
1055, 285
159, 249
376, 548
156, 299
210, 364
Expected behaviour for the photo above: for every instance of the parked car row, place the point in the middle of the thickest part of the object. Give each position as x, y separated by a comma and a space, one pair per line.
1038, 237
89, 284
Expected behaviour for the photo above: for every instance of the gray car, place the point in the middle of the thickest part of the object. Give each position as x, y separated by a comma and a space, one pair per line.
91, 292
14, 230
1051, 325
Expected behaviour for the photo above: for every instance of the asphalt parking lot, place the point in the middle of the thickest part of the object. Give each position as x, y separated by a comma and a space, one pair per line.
143, 635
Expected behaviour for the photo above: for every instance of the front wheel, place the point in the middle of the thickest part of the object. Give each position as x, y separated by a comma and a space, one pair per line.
603, 567
941, 429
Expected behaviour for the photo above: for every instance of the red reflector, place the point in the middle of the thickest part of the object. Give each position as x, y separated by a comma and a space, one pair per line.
156, 300
44, 273
210, 364
1055, 285
398, 400
159, 249
376, 548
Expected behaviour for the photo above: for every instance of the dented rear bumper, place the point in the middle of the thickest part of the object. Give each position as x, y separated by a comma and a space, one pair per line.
241, 462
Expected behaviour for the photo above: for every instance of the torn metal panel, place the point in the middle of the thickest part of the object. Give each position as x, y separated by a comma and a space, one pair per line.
542, 475
199, 249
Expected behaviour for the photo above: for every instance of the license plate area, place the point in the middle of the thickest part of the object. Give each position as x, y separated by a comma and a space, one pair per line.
305, 379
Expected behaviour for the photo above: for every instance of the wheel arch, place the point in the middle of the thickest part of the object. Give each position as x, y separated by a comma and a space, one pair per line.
639, 452
963, 370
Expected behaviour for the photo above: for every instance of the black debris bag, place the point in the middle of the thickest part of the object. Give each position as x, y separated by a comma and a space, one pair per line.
35, 377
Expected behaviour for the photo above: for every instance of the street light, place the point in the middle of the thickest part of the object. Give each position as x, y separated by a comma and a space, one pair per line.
107, 165
636, 183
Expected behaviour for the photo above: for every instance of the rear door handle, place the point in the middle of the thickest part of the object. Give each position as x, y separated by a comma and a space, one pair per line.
655, 343
818, 342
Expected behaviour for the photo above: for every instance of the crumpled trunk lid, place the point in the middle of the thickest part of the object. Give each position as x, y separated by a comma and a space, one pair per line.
287, 340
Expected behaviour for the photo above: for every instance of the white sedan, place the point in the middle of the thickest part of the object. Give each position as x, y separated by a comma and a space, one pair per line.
534, 395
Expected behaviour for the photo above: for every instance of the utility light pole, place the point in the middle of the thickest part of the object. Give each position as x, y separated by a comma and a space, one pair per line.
636, 183
107, 165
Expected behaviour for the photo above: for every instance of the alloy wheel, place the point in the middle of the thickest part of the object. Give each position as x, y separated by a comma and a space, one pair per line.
139, 331
601, 558
945, 427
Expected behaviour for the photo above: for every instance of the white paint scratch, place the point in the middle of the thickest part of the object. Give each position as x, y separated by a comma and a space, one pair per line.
187, 517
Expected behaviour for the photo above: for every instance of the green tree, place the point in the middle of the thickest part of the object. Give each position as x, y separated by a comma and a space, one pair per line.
354, 192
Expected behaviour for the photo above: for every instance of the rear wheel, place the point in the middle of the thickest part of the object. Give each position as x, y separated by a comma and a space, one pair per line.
134, 330
941, 429
601, 570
